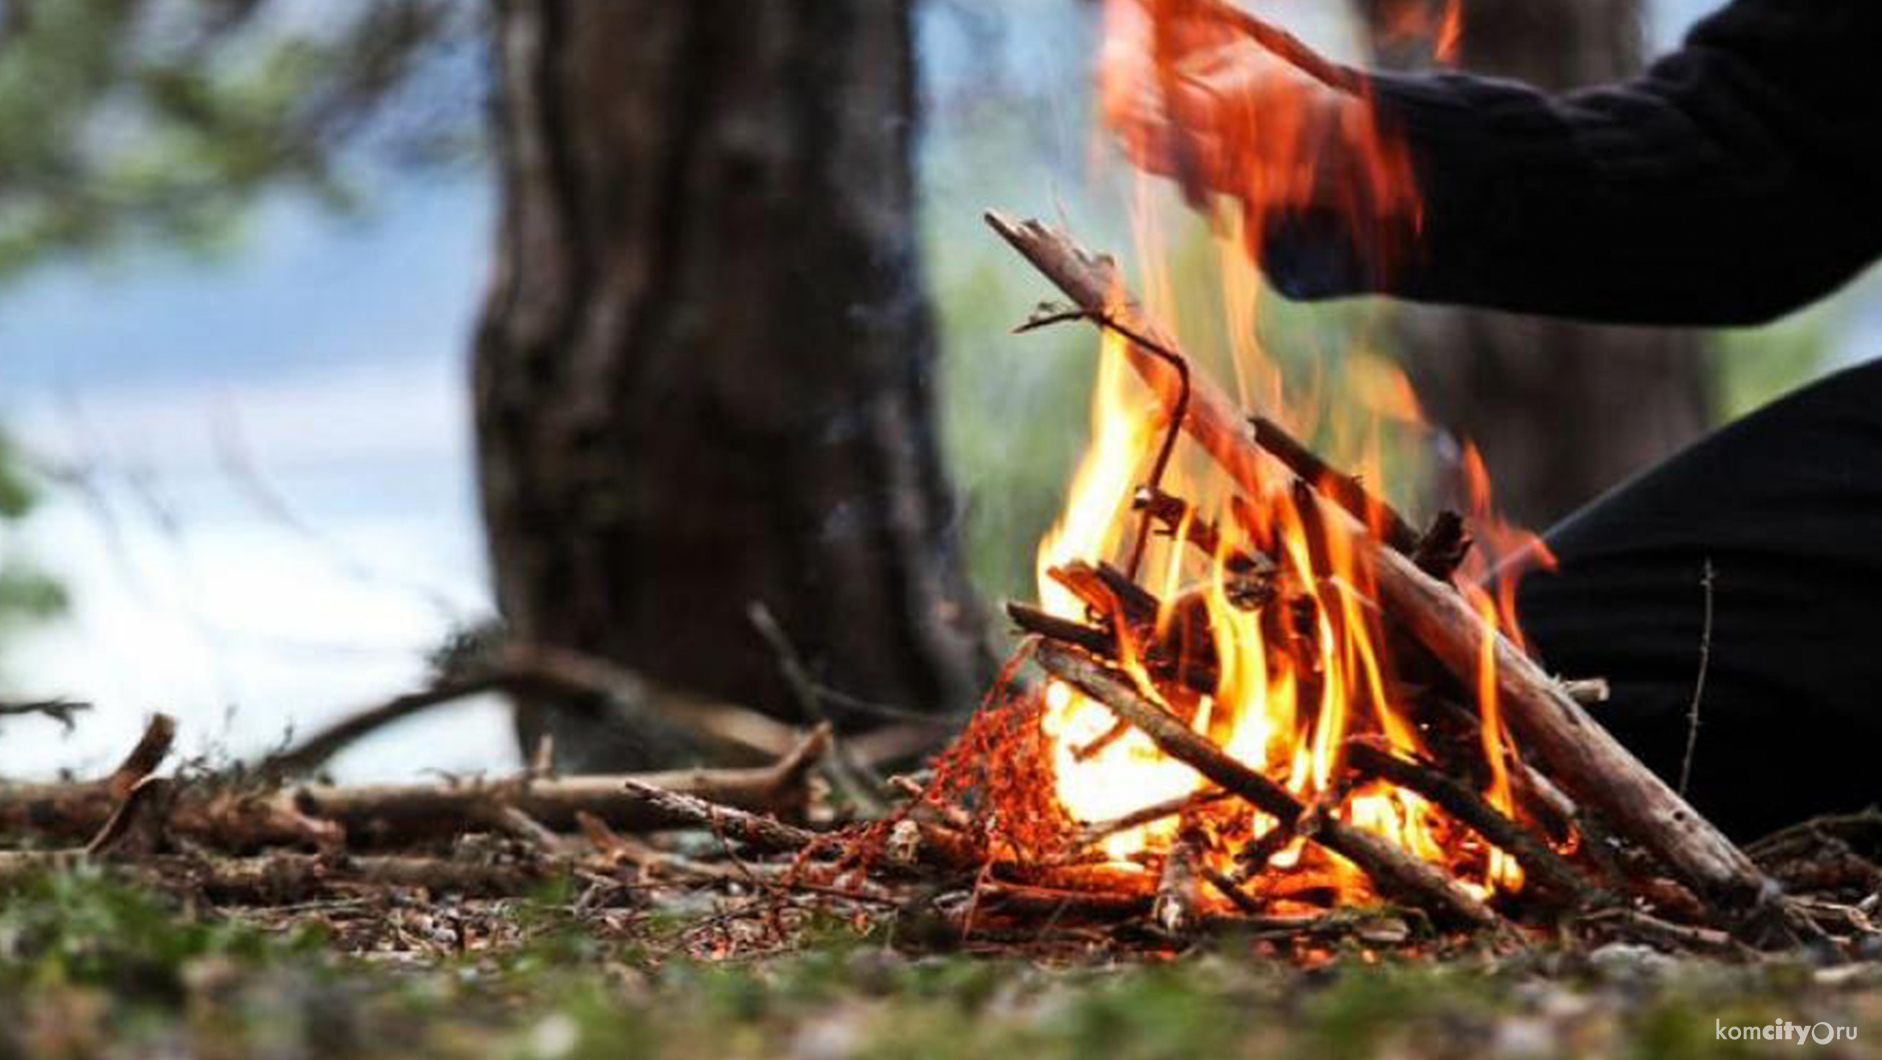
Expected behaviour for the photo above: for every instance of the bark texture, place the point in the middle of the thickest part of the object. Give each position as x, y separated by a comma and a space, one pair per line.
703, 374
1560, 410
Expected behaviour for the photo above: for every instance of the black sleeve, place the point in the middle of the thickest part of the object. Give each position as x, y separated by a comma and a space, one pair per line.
1737, 179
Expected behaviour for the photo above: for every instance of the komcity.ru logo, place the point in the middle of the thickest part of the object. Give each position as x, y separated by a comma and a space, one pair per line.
1821, 1033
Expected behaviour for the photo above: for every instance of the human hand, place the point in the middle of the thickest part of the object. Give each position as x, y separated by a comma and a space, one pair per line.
1200, 99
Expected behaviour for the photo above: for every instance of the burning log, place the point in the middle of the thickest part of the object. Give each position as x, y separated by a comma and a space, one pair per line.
1392, 870
1584, 757
1586, 760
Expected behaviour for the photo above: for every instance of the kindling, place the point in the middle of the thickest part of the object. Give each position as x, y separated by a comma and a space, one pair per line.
1784, 1031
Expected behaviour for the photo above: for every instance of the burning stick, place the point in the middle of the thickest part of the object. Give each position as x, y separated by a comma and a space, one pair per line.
1544, 866
1345, 490
1392, 870
1156, 811
1584, 757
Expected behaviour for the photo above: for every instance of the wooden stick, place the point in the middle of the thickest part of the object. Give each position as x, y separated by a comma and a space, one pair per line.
1393, 871
1034, 620
1179, 886
519, 669
1587, 761
392, 814
1542, 865
1594, 768
1156, 811
1345, 490
679, 810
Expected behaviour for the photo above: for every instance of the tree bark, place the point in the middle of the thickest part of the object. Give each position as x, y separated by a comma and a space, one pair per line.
704, 369
1560, 410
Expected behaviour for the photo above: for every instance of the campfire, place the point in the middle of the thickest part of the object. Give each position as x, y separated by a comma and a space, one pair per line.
1262, 692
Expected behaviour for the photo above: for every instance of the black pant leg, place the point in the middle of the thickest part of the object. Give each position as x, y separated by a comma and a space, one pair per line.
1786, 505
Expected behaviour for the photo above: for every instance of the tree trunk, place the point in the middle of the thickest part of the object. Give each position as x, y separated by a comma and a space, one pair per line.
704, 369
1560, 410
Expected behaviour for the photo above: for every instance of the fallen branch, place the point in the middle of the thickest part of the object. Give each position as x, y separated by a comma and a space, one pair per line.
1393, 871
328, 816
278, 879
391, 814
673, 809
521, 670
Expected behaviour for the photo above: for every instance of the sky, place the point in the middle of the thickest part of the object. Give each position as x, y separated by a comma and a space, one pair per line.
275, 515
270, 514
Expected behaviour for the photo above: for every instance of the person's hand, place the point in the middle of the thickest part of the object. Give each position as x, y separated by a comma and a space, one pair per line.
1216, 110
1202, 102
1225, 105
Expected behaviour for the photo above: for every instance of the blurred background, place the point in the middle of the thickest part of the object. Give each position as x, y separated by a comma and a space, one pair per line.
243, 249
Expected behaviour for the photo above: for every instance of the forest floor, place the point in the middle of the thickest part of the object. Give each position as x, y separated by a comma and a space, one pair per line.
93, 968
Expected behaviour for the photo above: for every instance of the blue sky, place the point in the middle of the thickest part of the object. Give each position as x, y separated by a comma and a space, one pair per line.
323, 359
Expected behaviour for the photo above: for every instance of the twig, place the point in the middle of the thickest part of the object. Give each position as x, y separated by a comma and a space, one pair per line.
59, 710
1699, 683
1156, 811
1285, 45
1226, 886
520, 669
1395, 872
677, 810
851, 776
315, 751
1154, 346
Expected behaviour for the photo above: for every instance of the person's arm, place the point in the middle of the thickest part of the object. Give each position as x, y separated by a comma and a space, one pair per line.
1739, 178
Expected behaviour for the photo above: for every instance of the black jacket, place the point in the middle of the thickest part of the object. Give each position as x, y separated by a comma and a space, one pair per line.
1737, 179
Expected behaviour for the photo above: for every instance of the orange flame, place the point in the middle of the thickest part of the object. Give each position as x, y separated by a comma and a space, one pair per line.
1296, 679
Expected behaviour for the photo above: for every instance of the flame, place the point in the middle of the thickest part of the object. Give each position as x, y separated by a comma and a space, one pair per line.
1295, 680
